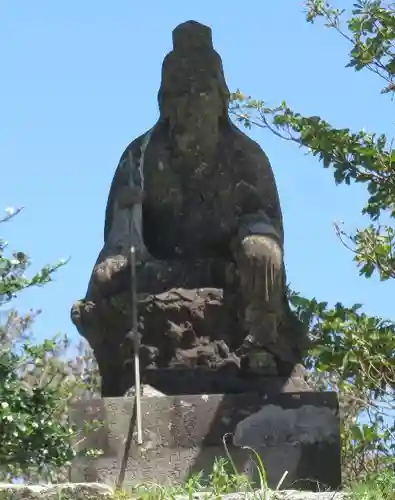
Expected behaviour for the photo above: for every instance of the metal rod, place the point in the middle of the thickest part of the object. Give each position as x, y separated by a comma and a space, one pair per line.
136, 346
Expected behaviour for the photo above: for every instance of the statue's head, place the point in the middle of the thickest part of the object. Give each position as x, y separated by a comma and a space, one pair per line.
193, 87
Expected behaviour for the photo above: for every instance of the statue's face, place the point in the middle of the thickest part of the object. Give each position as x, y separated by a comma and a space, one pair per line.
198, 105
191, 94
194, 118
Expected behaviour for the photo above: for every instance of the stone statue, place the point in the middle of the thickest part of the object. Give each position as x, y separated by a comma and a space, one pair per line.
198, 200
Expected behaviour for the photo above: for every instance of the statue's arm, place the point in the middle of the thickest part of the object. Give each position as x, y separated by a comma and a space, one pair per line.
259, 201
117, 181
124, 190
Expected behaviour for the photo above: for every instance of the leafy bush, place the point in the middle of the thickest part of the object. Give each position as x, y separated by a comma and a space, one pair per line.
31, 434
36, 384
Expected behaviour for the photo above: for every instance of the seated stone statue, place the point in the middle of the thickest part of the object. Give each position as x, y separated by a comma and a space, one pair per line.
198, 200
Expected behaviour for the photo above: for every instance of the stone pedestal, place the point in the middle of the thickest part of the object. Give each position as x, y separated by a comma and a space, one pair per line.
183, 435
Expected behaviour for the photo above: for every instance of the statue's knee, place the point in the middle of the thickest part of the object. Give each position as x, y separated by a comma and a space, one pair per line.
259, 248
103, 273
261, 268
109, 276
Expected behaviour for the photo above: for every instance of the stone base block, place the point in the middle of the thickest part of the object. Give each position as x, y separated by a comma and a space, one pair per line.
183, 435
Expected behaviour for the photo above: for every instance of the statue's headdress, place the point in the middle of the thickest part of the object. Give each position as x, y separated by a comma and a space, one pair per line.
192, 63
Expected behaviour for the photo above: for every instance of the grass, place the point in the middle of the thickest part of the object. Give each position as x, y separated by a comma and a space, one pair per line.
223, 480
381, 487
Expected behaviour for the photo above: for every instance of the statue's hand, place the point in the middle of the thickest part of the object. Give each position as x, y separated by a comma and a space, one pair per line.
129, 196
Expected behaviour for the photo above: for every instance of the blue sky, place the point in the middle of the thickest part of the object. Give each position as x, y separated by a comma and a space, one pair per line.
79, 82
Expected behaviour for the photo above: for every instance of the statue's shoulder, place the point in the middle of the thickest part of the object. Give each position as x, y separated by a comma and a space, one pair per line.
249, 148
134, 148
130, 159
255, 165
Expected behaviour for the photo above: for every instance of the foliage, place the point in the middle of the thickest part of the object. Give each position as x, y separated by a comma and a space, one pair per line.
35, 383
223, 479
352, 352
30, 431
370, 29
379, 487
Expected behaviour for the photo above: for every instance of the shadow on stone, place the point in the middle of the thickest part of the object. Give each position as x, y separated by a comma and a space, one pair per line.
280, 428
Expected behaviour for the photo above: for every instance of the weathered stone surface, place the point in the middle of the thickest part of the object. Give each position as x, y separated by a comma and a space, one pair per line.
198, 200
184, 435
179, 329
274, 425
67, 491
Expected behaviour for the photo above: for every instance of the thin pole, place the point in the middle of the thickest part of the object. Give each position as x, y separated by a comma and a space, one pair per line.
136, 346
